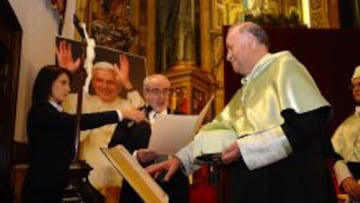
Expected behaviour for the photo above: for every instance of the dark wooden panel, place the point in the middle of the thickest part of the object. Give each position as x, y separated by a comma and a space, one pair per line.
10, 44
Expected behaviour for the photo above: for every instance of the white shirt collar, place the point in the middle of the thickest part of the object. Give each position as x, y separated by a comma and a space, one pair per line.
56, 105
152, 115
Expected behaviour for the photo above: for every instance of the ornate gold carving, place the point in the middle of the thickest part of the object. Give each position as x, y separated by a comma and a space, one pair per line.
108, 22
226, 12
319, 14
191, 87
111, 26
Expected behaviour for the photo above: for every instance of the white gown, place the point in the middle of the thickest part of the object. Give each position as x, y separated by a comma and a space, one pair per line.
103, 174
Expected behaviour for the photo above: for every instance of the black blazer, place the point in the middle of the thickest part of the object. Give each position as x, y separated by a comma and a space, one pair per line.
51, 143
134, 137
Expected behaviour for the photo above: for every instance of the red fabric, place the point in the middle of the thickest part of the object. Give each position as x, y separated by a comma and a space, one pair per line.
203, 192
184, 105
330, 164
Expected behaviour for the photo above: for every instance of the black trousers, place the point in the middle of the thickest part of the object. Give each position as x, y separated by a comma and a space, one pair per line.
302, 177
354, 168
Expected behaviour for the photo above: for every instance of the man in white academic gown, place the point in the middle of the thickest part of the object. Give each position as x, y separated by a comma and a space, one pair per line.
271, 134
346, 142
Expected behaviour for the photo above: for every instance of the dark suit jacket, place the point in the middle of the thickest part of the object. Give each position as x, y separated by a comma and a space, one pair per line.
132, 136
51, 143
136, 137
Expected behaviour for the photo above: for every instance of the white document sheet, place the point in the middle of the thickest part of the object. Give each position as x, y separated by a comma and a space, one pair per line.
172, 132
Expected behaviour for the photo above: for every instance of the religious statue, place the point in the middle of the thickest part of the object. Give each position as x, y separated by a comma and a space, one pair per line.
179, 36
90, 56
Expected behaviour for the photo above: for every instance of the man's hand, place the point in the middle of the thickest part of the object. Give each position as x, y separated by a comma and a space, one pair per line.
122, 73
65, 58
352, 188
170, 165
146, 155
133, 114
231, 154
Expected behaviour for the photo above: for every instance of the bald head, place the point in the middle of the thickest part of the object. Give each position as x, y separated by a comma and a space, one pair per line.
257, 31
356, 73
246, 44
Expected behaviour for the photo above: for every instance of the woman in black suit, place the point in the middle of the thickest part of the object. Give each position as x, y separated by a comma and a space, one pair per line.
51, 135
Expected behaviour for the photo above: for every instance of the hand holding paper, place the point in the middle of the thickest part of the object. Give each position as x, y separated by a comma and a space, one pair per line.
172, 132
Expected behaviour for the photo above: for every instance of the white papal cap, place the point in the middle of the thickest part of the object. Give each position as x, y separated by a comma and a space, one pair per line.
356, 72
103, 65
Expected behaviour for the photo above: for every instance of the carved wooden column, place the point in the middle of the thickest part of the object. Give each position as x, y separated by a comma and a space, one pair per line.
324, 14
190, 87
192, 84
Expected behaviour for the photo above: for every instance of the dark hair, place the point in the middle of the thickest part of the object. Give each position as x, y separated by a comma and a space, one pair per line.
44, 80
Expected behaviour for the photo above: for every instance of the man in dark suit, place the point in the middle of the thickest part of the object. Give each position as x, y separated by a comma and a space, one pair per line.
135, 138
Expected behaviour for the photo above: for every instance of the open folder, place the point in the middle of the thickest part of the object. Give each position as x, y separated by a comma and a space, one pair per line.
134, 173
171, 132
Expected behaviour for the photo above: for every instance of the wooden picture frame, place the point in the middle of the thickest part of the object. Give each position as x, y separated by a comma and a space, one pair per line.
108, 22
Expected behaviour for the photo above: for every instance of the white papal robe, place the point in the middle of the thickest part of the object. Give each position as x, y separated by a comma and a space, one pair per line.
103, 174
